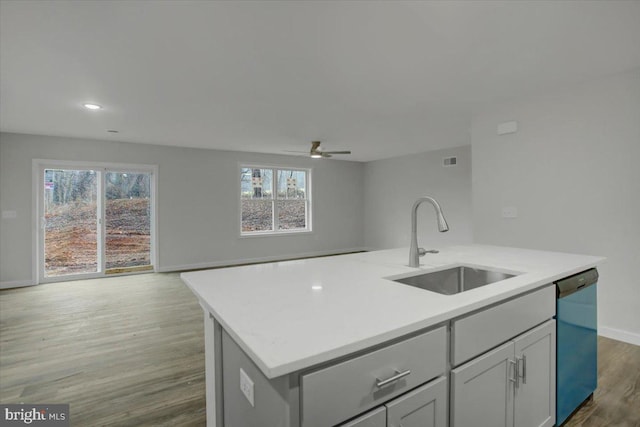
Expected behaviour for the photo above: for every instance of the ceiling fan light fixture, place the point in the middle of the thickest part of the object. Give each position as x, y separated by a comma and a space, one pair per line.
316, 155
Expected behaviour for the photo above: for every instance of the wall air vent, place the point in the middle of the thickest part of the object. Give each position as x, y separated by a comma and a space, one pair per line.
450, 161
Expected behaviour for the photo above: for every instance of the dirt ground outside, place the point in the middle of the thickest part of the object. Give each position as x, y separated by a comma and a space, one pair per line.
71, 237
257, 215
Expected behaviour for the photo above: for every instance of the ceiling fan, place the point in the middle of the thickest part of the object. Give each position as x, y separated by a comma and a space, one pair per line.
317, 153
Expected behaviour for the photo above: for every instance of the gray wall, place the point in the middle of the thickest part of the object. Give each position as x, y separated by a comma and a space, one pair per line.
198, 206
573, 172
392, 185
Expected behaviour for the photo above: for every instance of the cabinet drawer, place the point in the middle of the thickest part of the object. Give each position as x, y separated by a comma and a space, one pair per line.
338, 392
479, 332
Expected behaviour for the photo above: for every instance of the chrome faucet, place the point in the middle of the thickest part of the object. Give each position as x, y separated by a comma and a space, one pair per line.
415, 252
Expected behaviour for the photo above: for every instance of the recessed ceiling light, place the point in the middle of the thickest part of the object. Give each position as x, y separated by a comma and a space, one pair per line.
92, 106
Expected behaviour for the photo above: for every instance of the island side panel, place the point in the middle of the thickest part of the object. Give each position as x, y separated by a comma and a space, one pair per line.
213, 369
272, 398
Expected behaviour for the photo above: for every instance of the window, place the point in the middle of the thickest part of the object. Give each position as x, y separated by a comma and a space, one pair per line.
274, 200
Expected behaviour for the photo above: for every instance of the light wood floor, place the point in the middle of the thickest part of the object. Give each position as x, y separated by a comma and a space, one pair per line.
616, 401
122, 351
129, 351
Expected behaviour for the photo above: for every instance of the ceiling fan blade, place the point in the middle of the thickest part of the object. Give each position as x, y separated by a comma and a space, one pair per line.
316, 151
292, 151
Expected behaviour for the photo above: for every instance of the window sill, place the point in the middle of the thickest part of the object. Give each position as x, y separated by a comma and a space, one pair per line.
274, 233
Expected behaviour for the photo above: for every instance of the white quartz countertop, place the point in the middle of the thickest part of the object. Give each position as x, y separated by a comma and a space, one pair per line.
291, 315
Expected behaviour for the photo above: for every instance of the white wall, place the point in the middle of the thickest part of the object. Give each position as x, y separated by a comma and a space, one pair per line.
573, 172
392, 185
198, 206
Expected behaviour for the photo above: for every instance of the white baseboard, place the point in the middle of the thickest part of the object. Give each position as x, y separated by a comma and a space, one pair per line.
16, 284
619, 335
229, 263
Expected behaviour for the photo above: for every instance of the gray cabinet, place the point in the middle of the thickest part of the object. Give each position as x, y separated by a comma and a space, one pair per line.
479, 332
535, 397
338, 392
481, 393
425, 406
375, 418
512, 385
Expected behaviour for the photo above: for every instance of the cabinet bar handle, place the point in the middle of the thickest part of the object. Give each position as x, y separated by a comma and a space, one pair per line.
524, 369
514, 378
396, 377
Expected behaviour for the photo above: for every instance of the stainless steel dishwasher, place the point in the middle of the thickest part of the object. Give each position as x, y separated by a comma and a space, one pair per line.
577, 342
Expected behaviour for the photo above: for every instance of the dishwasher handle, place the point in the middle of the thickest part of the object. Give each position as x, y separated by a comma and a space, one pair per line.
575, 283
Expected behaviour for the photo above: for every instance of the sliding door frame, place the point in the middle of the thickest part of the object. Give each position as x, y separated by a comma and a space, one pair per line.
101, 168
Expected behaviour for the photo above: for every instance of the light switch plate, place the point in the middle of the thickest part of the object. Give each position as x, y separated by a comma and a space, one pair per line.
507, 128
246, 386
9, 214
509, 212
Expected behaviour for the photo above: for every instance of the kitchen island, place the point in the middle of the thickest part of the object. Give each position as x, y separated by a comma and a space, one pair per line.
292, 326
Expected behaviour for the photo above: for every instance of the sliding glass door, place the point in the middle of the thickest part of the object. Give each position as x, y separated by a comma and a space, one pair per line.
127, 222
94, 221
70, 222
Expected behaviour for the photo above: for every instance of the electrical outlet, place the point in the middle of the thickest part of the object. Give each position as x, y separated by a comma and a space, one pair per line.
246, 386
510, 212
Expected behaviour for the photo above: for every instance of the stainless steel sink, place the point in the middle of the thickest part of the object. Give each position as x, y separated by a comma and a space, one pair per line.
454, 280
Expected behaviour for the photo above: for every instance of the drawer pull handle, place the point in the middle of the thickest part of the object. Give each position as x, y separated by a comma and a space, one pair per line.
396, 377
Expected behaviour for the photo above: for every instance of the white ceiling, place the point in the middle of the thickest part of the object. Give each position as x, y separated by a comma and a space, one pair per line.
379, 78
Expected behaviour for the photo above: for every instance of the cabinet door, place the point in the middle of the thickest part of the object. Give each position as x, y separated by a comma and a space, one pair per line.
425, 406
535, 397
375, 418
482, 390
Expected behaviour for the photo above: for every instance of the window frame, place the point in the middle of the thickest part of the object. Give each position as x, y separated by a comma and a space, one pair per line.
275, 199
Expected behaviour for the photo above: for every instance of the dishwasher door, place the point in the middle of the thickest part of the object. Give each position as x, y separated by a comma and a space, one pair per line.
577, 342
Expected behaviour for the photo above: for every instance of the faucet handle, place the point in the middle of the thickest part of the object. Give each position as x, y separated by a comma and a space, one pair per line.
422, 252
